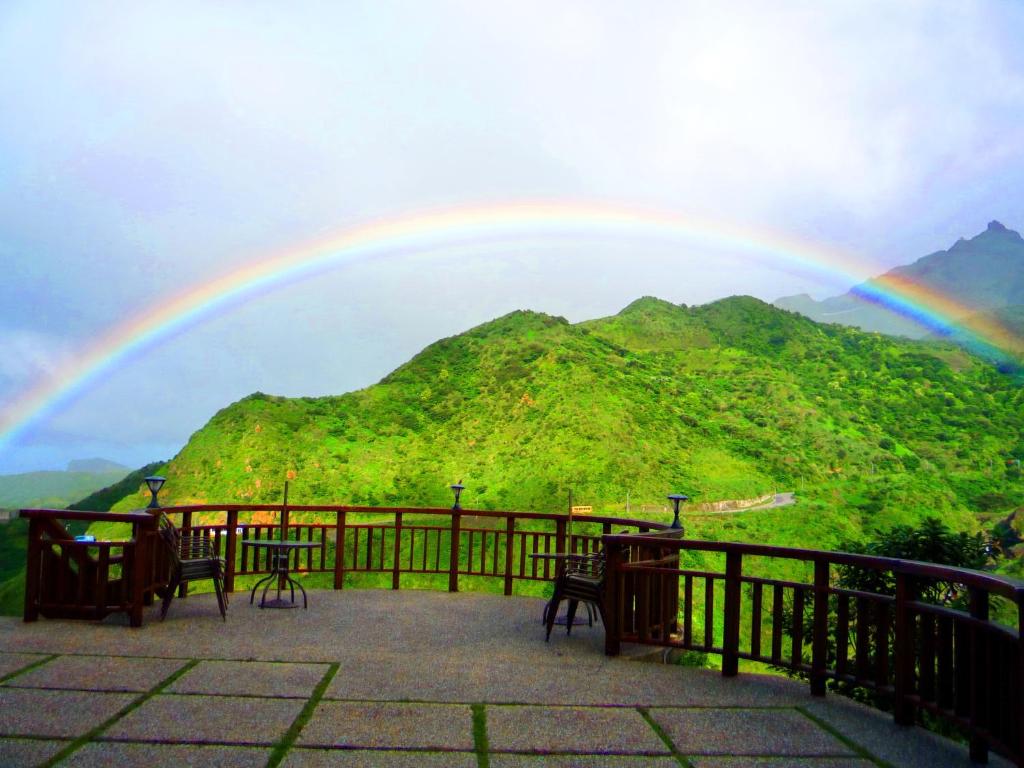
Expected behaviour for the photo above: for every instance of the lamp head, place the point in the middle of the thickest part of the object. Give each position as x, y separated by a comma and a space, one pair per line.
457, 490
677, 498
155, 483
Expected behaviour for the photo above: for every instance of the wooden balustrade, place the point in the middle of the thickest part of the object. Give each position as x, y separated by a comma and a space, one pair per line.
405, 540
956, 664
72, 579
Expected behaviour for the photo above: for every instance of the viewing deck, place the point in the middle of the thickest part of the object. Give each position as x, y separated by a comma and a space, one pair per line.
407, 678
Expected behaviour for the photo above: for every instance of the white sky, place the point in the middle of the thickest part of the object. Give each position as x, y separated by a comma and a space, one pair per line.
145, 148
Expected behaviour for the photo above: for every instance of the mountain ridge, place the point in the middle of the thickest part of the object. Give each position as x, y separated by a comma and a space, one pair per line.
732, 399
982, 273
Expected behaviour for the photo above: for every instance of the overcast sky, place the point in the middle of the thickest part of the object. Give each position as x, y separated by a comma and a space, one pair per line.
147, 148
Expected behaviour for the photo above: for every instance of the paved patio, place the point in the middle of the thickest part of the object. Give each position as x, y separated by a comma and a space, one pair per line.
381, 678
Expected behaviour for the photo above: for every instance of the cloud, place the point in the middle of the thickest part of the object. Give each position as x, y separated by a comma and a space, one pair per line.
28, 356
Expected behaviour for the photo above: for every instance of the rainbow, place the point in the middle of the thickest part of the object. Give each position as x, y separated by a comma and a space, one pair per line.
472, 227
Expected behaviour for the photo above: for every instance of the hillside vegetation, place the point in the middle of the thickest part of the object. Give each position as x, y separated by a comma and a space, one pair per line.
56, 488
733, 399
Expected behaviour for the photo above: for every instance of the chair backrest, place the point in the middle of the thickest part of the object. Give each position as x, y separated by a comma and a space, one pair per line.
185, 546
586, 566
171, 537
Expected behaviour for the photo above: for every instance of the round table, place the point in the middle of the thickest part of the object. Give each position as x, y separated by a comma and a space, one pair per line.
280, 557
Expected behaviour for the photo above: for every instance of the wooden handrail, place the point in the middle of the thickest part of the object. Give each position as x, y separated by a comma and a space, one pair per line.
138, 516
68, 578
957, 664
1004, 586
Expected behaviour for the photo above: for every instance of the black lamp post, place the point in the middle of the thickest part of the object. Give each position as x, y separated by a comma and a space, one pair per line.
155, 482
676, 499
457, 490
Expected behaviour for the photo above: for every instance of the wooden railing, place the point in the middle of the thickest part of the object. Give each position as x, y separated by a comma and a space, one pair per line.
958, 665
463, 543
72, 579
89, 580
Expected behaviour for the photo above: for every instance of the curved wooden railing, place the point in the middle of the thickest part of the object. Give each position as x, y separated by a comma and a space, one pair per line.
959, 665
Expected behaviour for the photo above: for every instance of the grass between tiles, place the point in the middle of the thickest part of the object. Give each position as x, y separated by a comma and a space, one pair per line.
646, 715
480, 743
286, 742
123, 712
37, 663
861, 752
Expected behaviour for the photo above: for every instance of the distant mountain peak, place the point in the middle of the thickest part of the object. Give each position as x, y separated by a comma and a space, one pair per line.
983, 272
647, 304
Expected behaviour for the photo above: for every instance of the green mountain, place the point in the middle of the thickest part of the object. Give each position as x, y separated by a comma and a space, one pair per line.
983, 273
58, 488
730, 400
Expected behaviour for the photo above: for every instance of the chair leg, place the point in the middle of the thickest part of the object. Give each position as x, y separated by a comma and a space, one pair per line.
570, 615
551, 612
221, 602
172, 587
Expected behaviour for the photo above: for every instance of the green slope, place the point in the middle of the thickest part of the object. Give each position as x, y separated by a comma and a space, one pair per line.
729, 400
52, 488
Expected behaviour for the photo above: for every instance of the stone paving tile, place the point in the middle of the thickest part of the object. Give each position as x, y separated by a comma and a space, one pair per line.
27, 753
389, 725
570, 729
581, 761
746, 732
99, 673
251, 678
62, 714
11, 662
780, 762
101, 755
372, 758
876, 732
206, 719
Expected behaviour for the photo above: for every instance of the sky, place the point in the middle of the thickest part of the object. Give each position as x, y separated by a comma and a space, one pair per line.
146, 149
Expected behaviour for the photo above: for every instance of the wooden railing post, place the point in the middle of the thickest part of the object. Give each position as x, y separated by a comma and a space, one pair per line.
612, 598
453, 560
819, 631
339, 550
979, 675
1018, 716
510, 532
903, 707
396, 566
32, 566
186, 529
229, 551
731, 639
560, 546
140, 566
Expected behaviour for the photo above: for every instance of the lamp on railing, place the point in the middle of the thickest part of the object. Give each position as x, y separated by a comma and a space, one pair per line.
457, 490
155, 483
676, 499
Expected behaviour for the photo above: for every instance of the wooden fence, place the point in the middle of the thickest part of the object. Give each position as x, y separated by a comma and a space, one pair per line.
958, 665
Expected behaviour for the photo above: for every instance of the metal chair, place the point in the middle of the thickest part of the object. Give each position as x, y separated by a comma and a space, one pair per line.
192, 558
581, 580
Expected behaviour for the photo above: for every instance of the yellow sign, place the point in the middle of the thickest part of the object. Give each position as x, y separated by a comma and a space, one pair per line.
582, 510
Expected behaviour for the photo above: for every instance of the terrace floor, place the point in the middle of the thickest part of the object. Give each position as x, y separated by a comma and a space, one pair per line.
407, 678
